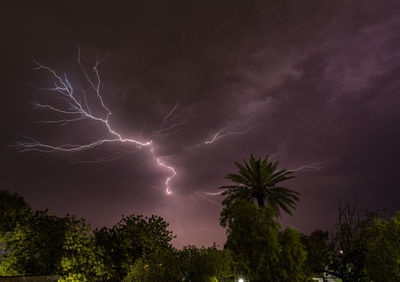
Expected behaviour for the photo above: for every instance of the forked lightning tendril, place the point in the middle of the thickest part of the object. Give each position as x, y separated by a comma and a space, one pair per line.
75, 107
222, 133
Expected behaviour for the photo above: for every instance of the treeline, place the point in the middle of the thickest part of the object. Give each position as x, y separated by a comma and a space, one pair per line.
137, 248
365, 246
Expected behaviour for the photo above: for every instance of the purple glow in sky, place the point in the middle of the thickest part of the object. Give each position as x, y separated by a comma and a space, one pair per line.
208, 82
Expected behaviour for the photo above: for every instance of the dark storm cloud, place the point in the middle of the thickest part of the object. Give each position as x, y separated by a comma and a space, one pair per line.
310, 80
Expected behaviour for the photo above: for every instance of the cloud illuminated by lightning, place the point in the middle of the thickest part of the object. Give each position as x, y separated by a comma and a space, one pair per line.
76, 108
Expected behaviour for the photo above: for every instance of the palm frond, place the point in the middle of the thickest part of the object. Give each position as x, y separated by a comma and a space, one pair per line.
257, 180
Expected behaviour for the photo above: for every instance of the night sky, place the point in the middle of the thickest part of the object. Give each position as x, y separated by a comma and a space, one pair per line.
311, 82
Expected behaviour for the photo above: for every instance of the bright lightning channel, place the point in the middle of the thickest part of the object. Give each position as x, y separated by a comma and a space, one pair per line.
78, 109
170, 168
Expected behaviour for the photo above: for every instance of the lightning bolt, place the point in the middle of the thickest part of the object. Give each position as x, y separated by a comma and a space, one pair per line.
111, 158
222, 133
75, 107
169, 114
172, 170
166, 126
311, 166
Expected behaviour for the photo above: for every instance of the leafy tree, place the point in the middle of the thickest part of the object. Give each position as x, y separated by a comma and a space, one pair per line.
165, 265
13, 209
34, 247
259, 248
205, 264
107, 240
189, 264
348, 260
40, 243
319, 250
364, 247
132, 238
195, 264
254, 239
221, 262
139, 272
383, 249
82, 260
292, 256
259, 181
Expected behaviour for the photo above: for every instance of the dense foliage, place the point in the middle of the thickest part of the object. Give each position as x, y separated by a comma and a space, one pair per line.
364, 247
13, 209
40, 243
382, 259
133, 238
320, 251
261, 249
34, 245
81, 258
188, 264
137, 248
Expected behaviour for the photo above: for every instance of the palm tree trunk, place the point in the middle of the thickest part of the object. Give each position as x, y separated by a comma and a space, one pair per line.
260, 201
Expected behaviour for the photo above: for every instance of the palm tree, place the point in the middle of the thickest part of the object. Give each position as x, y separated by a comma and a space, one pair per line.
259, 181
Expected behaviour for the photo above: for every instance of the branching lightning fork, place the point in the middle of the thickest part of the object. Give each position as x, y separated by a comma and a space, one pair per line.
76, 108
167, 127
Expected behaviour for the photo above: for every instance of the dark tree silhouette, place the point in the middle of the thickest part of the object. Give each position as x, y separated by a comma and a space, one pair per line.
13, 209
259, 181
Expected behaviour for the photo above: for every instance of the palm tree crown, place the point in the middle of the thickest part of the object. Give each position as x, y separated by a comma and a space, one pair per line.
259, 181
